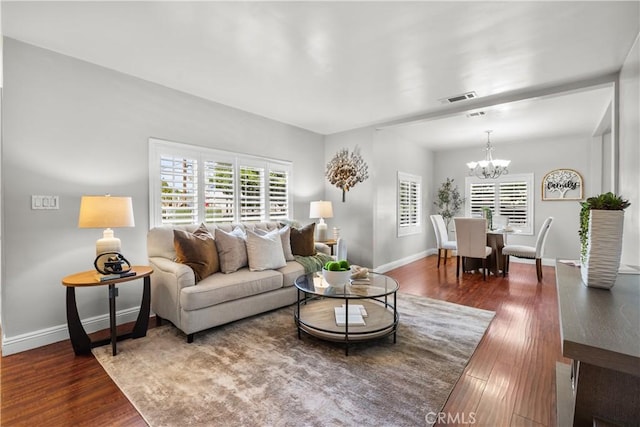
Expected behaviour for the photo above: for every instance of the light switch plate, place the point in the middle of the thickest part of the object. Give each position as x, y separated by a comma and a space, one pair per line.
44, 202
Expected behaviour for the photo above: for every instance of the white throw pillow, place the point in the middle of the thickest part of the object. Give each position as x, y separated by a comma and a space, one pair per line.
265, 252
285, 236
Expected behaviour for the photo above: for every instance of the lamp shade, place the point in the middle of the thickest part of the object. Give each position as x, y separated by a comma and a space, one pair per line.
321, 209
105, 212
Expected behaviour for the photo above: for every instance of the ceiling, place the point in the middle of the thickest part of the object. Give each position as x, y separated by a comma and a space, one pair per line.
334, 66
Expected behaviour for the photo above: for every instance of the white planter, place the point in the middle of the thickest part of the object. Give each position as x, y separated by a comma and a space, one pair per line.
599, 268
336, 278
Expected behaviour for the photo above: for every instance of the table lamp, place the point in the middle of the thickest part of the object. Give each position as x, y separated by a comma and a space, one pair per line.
106, 212
321, 209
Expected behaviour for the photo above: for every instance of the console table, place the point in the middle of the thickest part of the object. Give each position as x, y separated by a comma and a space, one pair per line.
600, 332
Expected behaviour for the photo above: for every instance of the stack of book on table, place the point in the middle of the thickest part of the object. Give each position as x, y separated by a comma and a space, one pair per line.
357, 313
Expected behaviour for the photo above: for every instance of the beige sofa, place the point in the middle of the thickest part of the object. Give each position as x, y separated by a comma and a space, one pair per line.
218, 298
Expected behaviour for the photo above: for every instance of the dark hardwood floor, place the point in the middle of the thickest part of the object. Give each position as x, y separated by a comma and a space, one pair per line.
510, 380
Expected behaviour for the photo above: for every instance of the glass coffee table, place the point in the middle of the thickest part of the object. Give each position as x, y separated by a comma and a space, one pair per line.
366, 309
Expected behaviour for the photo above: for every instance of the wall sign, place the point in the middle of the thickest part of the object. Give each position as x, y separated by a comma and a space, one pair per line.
562, 184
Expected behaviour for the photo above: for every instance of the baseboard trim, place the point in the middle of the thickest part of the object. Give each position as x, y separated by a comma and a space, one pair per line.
42, 337
404, 261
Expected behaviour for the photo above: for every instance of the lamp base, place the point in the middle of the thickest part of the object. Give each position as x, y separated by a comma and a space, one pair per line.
321, 231
107, 243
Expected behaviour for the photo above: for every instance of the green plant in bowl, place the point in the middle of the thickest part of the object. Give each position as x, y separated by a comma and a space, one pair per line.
336, 272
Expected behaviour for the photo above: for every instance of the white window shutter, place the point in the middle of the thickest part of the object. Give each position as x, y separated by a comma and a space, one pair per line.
179, 190
219, 192
278, 194
252, 194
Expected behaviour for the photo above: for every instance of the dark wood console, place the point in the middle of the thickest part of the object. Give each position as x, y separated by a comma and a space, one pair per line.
600, 332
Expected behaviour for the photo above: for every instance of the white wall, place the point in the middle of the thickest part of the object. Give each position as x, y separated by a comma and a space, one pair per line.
355, 216
539, 157
72, 128
629, 149
393, 154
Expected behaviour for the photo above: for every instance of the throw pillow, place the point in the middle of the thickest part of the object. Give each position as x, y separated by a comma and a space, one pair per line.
285, 236
302, 242
197, 250
232, 249
265, 252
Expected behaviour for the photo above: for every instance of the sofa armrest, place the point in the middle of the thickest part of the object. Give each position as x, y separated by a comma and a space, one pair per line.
181, 274
167, 281
321, 247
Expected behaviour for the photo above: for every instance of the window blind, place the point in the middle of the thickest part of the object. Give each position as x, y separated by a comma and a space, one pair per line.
219, 192
190, 184
510, 196
252, 198
278, 194
409, 204
514, 203
179, 190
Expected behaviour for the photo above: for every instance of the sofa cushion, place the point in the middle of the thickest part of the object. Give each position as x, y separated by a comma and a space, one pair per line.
232, 249
197, 250
302, 242
265, 252
219, 288
291, 272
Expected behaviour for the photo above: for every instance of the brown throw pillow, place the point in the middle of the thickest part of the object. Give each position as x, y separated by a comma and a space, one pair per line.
302, 242
197, 250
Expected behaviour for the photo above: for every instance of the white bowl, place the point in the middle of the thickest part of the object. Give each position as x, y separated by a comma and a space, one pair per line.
336, 278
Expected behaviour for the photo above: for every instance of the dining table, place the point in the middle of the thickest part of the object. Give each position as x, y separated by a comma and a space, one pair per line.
496, 240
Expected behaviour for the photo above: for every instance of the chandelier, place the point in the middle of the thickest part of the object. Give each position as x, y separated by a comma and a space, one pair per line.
489, 167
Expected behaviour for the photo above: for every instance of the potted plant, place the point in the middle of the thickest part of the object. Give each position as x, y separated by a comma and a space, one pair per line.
601, 222
449, 201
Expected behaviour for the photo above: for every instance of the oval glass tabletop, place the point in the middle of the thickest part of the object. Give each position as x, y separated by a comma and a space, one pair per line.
375, 285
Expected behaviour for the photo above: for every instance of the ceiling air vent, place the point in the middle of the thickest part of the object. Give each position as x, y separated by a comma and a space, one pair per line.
461, 97
476, 114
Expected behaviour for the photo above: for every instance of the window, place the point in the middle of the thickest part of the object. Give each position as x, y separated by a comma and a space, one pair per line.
190, 185
409, 204
510, 196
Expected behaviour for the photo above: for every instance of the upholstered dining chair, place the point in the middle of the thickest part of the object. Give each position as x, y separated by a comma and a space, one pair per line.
442, 238
529, 252
471, 240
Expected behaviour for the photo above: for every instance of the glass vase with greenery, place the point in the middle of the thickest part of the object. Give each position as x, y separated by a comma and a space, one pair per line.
448, 200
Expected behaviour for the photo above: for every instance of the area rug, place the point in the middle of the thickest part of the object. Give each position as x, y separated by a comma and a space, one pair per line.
256, 372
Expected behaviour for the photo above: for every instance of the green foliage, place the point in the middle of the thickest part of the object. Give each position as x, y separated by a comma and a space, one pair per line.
606, 201
449, 201
341, 265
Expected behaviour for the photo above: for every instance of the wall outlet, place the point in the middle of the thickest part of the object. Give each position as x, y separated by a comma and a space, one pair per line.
45, 202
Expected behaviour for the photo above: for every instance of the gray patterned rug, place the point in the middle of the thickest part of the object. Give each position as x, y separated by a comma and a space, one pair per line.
255, 372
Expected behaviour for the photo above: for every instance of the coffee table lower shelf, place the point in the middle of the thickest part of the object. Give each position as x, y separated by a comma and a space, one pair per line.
316, 317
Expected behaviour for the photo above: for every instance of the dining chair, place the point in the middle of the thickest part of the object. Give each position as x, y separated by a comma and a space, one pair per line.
442, 238
471, 241
529, 252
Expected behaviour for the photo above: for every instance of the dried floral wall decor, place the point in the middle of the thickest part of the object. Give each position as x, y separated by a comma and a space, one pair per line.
346, 169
